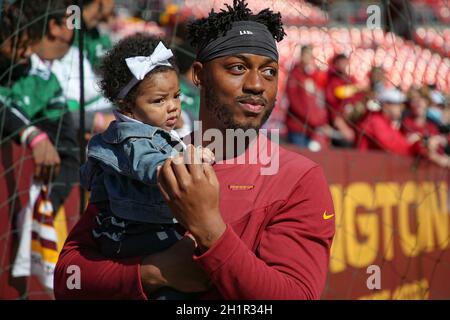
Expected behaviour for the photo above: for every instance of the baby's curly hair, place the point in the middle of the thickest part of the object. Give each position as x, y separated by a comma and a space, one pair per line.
114, 71
217, 24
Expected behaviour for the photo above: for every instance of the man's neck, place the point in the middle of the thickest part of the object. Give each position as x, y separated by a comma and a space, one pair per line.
420, 120
215, 136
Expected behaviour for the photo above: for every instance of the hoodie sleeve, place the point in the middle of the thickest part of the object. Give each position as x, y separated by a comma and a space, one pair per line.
100, 277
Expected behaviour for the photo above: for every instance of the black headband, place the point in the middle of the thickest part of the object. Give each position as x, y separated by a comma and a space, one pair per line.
243, 37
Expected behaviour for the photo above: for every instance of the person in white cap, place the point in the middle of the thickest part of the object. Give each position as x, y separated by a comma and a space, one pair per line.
417, 123
438, 109
380, 130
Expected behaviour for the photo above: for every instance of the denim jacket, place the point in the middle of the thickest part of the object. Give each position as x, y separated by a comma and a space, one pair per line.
121, 170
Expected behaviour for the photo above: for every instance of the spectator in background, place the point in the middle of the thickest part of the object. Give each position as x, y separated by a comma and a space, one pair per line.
381, 130
96, 43
107, 11
438, 111
377, 80
39, 93
416, 125
416, 121
64, 64
14, 62
307, 119
341, 95
376, 87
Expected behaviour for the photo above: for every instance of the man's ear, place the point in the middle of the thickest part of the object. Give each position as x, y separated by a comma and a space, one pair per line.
197, 73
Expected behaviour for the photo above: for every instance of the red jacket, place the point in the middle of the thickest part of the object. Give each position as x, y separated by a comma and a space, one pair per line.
306, 111
378, 133
429, 129
276, 245
336, 105
409, 126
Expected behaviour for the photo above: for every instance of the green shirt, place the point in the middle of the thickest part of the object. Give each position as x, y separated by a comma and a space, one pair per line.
38, 95
67, 71
95, 45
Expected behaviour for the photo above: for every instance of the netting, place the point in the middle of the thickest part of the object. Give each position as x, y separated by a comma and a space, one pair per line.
392, 212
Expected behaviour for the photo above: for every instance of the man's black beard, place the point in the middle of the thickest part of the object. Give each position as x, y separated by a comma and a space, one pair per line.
9, 71
223, 114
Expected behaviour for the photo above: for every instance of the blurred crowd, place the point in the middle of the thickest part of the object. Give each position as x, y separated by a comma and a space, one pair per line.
330, 109
326, 107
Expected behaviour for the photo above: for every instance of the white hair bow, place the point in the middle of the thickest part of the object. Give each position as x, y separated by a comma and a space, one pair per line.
140, 66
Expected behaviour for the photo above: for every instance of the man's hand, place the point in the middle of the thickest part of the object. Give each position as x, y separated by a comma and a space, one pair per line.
174, 268
434, 142
191, 190
45, 159
346, 131
414, 137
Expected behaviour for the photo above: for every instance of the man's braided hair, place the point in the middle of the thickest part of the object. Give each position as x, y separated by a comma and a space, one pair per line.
217, 24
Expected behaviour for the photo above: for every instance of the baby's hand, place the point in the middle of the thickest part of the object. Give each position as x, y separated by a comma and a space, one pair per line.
207, 155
